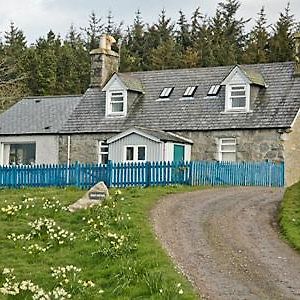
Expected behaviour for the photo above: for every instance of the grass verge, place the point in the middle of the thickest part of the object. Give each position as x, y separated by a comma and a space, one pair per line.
289, 215
106, 252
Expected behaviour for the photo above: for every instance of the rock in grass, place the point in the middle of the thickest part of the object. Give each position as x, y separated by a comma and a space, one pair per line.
94, 196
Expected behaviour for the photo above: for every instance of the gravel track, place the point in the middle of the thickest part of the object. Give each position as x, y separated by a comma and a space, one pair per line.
225, 240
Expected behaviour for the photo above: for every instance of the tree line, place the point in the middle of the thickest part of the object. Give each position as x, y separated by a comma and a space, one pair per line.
55, 65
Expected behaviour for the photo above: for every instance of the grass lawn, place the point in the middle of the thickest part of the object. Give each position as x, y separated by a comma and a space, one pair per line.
289, 217
106, 252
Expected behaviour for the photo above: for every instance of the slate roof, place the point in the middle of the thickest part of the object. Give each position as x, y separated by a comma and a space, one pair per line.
39, 115
158, 134
132, 83
254, 76
275, 107
165, 136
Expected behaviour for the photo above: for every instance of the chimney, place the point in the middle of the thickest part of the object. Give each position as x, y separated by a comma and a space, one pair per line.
297, 54
104, 62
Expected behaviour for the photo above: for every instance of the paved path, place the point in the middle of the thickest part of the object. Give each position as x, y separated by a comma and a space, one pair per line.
226, 242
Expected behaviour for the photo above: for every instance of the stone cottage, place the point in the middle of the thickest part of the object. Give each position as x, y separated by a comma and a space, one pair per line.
231, 113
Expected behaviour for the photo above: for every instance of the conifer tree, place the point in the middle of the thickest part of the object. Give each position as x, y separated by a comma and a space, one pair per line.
282, 43
132, 51
93, 31
257, 50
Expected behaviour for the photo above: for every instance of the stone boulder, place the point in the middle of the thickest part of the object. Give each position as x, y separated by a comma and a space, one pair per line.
94, 196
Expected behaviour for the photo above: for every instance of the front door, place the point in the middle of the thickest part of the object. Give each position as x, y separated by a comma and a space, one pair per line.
178, 153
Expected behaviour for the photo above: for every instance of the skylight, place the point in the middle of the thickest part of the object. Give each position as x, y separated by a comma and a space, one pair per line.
190, 91
214, 90
166, 92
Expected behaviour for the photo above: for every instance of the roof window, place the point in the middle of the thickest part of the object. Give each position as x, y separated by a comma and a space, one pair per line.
190, 91
214, 90
166, 92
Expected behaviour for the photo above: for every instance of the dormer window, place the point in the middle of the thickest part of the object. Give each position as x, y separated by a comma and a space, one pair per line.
237, 97
117, 102
120, 92
238, 84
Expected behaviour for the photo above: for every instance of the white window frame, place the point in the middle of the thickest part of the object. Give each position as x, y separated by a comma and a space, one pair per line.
135, 153
109, 102
228, 96
229, 141
102, 144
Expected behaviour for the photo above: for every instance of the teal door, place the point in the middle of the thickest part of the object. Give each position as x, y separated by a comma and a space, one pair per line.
178, 153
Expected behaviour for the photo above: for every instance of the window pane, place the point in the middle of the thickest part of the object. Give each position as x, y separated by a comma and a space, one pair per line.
228, 157
113, 94
141, 153
116, 99
22, 154
238, 88
238, 93
117, 107
238, 102
230, 148
129, 153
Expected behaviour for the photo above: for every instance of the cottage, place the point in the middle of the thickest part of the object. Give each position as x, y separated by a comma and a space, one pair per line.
228, 113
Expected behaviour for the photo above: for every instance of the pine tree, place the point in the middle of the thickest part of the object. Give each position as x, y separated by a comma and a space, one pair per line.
257, 50
227, 38
133, 51
183, 36
282, 43
93, 31
158, 39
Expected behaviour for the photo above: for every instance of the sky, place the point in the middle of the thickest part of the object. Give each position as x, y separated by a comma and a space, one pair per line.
37, 17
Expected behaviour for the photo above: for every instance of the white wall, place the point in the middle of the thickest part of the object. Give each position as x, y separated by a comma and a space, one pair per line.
46, 147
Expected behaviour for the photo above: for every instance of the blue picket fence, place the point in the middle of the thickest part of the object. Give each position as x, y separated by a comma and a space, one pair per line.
145, 174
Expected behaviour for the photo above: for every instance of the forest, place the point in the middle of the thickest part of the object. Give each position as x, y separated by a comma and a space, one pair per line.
60, 65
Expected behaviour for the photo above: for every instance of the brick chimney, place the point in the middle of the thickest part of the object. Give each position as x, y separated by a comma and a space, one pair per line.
104, 62
297, 54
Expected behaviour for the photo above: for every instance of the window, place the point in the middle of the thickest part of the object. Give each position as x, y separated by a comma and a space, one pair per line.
190, 91
117, 102
129, 153
22, 154
103, 153
227, 149
166, 92
238, 97
135, 153
214, 90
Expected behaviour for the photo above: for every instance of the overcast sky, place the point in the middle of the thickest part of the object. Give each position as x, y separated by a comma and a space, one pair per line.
36, 17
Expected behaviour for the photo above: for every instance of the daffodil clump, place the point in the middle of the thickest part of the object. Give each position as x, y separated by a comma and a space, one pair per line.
45, 230
109, 228
67, 285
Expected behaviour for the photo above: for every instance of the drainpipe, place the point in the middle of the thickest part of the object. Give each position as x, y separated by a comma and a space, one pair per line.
69, 151
68, 158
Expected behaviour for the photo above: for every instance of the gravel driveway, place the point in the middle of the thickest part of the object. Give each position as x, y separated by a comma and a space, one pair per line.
225, 240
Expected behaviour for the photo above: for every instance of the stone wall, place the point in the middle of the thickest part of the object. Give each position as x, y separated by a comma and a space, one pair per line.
255, 145
252, 145
292, 153
84, 147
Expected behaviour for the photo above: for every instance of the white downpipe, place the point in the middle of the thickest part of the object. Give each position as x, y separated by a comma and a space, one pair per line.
68, 158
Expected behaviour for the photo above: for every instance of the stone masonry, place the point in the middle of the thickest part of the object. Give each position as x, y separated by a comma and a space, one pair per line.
292, 153
252, 145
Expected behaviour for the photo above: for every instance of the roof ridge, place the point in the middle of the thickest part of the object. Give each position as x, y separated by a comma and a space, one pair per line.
53, 96
201, 68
